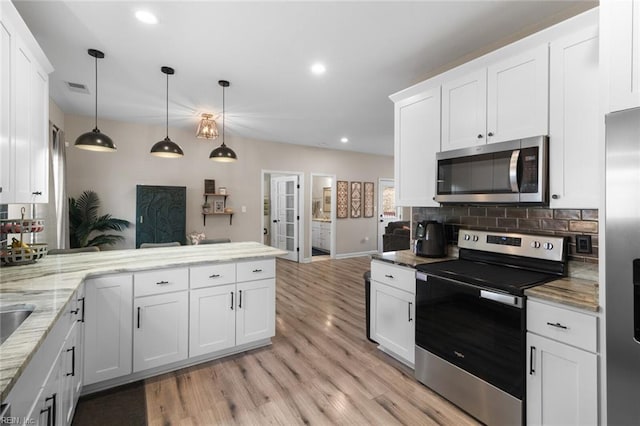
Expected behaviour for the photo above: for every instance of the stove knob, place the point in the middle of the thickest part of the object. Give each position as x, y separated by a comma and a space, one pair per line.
535, 244
467, 237
548, 246
475, 238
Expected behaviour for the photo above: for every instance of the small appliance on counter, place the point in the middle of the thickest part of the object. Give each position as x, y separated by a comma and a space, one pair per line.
430, 239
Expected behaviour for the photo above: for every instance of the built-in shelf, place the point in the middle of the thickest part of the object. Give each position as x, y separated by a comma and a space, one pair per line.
224, 206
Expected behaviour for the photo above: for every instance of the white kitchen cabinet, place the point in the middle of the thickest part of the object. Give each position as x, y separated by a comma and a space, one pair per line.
24, 107
574, 160
505, 101
321, 235
392, 309
161, 330
255, 315
70, 372
212, 319
108, 327
464, 111
621, 22
417, 140
562, 366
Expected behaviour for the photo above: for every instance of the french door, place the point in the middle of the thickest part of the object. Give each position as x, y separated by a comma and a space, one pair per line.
285, 216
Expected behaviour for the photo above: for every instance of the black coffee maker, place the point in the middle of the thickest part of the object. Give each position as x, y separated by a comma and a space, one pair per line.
430, 239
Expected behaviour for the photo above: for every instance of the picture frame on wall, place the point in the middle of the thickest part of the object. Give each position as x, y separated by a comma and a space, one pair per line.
368, 199
342, 199
218, 206
356, 200
326, 199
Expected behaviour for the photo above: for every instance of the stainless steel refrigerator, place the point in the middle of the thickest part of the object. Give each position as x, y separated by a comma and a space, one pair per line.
622, 225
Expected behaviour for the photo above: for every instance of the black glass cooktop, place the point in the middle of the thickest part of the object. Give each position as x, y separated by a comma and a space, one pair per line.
512, 280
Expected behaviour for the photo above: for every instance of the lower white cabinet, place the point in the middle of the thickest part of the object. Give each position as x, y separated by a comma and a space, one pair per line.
255, 316
108, 327
161, 330
562, 366
392, 309
212, 319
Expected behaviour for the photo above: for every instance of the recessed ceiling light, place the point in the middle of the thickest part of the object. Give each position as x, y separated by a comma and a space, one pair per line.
344, 140
146, 17
318, 68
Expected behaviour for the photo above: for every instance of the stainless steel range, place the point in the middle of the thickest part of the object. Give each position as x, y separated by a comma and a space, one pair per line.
471, 320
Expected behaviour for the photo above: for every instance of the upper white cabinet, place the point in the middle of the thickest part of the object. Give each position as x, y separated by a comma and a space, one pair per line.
621, 23
507, 100
24, 109
574, 172
417, 140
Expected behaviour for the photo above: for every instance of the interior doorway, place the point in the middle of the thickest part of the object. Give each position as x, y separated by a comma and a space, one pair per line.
323, 216
387, 209
282, 219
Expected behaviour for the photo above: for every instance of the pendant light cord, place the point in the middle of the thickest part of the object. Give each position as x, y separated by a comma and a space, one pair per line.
167, 121
223, 115
96, 115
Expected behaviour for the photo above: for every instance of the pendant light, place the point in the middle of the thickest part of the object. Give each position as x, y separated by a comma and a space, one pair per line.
223, 153
95, 140
207, 128
166, 148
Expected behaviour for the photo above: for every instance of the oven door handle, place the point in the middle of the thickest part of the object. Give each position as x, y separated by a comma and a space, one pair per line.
505, 299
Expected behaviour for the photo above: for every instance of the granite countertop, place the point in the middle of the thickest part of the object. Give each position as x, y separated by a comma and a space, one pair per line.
578, 290
49, 284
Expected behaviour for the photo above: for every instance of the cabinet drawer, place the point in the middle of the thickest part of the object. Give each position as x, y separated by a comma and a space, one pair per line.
210, 275
570, 327
161, 281
256, 270
395, 276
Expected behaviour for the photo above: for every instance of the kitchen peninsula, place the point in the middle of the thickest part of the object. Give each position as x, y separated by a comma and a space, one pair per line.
67, 290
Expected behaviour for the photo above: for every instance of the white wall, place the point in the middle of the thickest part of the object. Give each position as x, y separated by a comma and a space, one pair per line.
114, 177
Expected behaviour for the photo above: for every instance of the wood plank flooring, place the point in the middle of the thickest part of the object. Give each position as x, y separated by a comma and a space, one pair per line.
320, 369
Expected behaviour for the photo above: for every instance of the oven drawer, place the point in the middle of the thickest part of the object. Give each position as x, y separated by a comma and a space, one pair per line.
395, 276
567, 326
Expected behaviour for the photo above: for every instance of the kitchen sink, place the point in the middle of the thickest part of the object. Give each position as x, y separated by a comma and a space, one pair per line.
11, 316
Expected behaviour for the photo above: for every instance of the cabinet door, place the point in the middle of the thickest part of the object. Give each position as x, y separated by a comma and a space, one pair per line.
623, 28
161, 330
6, 150
22, 130
212, 319
108, 326
417, 139
562, 383
69, 373
518, 96
392, 320
464, 111
256, 311
574, 166
48, 409
39, 130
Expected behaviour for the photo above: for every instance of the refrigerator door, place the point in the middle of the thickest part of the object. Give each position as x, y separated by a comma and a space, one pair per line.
622, 224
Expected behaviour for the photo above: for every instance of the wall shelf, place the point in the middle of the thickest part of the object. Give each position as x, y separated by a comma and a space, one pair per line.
224, 206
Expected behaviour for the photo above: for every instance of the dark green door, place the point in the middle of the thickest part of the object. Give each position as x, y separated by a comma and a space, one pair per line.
160, 214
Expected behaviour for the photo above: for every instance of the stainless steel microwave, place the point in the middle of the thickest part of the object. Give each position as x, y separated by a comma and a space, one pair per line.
507, 172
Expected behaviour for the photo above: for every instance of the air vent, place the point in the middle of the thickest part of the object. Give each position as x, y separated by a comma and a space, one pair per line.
77, 87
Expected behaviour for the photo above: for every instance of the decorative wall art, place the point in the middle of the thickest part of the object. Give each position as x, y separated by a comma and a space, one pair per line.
342, 199
356, 199
368, 199
218, 206
209, 186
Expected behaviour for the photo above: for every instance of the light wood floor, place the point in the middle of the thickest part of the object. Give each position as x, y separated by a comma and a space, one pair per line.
320, 369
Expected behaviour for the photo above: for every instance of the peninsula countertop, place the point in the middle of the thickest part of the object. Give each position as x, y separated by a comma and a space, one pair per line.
49, 284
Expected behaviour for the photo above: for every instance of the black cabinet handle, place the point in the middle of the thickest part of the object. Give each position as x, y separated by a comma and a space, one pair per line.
480, 136
138, 316
532, 353
75, 311
214, 276
389, 276
410, 319
490, 134
257, 270
558, 325
48, 411
52, 413
82, 317
232, 301
73, 361
162, 282
36, 193
240, 302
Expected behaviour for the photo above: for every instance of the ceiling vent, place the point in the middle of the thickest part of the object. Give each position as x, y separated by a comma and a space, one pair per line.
77, 87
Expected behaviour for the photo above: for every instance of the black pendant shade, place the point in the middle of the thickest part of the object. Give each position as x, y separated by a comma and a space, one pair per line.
167, 148
95, 140
223, 153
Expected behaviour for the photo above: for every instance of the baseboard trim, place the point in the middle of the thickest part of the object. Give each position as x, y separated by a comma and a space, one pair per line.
356, 254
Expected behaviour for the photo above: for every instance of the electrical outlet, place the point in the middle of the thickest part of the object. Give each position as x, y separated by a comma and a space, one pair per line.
583, 244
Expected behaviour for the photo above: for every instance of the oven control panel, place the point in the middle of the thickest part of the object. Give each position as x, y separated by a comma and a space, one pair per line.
529, 245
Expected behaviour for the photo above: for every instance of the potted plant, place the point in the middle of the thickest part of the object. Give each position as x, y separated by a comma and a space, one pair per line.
84, 222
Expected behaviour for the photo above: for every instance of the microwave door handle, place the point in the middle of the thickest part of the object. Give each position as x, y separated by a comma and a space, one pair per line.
513, 170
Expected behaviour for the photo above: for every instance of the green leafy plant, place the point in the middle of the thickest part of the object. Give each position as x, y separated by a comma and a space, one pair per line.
84, 222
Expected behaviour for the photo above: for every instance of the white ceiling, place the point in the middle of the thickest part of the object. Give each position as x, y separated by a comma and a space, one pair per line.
265, 49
